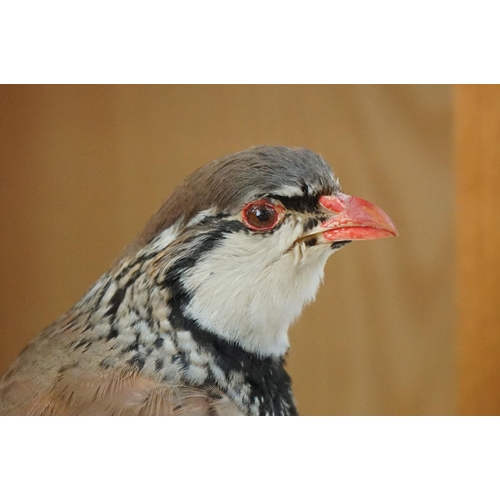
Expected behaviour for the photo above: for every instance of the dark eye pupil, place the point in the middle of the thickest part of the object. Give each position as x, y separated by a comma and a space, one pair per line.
262, 213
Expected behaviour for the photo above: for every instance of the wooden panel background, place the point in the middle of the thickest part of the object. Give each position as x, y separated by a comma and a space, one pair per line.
478, 230
83, 167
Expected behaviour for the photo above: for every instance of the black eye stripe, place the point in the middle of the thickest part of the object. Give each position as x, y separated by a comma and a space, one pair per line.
306, 203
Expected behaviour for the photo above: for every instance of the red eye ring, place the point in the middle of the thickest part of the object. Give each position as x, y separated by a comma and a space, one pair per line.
261, 215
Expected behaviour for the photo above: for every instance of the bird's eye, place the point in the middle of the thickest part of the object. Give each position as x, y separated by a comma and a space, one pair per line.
260, 215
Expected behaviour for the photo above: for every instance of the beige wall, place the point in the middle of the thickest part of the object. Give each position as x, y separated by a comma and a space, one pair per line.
83, 167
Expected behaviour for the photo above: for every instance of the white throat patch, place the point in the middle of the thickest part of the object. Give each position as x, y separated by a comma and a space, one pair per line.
251, 287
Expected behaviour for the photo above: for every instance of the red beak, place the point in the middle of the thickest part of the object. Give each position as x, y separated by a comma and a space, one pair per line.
355, 219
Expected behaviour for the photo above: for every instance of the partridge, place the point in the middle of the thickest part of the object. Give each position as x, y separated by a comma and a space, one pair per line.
193, 318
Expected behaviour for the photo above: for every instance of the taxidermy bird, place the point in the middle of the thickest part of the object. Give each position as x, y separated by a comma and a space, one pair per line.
193, 318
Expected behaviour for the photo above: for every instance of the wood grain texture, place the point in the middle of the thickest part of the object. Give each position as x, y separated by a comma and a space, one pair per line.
83, 168
478, 230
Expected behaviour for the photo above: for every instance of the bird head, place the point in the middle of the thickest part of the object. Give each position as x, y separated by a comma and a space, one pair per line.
241, 245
